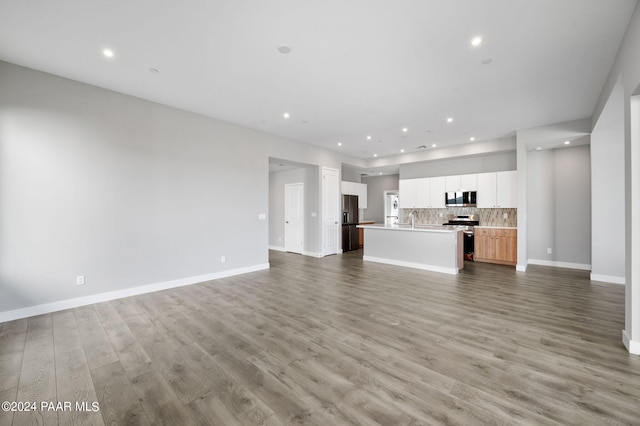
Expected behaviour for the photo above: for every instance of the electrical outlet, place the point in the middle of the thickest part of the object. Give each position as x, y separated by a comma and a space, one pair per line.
262, 216
279, 239
549, 250
505, 216
441, 215
223, 259
80, 280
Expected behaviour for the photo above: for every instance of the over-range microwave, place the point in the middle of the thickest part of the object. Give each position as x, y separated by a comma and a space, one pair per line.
460, 199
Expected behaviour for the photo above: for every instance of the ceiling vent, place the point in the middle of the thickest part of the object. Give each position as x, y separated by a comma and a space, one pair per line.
421, 147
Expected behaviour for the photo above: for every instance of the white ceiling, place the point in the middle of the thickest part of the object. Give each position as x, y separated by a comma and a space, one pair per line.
357, 68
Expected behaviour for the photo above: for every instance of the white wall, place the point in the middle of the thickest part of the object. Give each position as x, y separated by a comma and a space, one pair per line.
376, 185
124, 191
559, 207
458, 166
622, 83
608, 191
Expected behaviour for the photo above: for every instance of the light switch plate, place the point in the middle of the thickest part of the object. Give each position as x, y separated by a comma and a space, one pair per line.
262, 216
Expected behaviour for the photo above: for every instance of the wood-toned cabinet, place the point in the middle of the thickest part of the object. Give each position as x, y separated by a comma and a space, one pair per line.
496, 245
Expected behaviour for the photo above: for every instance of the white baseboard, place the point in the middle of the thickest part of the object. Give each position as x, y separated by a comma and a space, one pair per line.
569, 265
304, 253
451, 271
609, 279
119, 294
312, 254
631, 345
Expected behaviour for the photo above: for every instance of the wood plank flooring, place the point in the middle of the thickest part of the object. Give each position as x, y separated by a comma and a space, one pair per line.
335, 341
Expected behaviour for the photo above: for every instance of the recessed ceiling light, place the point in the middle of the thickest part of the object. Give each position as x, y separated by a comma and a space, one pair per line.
405, 130
375, 155
567, 142
380, 173
402, 150
368, 138
108, 53
539, 148
433, 146
284, 48
472, 139
339, 143
286, 115
476, 41
450, 120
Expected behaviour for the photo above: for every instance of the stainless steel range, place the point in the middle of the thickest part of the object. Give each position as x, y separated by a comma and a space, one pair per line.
467, 222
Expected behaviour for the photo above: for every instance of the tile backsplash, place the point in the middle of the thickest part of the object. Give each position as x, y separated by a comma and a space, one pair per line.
487, 217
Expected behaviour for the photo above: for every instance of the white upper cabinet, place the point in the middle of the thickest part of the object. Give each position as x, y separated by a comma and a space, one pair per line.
408, 197
354, 188
486, 196
507, 189
437, 189
494, 190
469, 182
462, 183
423, 193
361, 192
452, 183
497, 190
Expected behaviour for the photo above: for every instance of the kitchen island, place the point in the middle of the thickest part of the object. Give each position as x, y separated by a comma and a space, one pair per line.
429, 247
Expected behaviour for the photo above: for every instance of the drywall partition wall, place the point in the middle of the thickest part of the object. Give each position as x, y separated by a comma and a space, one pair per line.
121, 191
350, 174
608, 192
376, 185
459, 166
540, 207
625, 77
559, 207
132, 195
573, 205
277, 181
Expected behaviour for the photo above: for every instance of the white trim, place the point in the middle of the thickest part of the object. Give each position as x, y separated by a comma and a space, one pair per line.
608, 279
522, 268
119, 294
631, 345
424, 267
581, 266
304, 252
311, 254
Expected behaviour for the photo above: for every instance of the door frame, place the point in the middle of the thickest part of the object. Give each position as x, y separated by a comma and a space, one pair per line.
329, 210
390, 192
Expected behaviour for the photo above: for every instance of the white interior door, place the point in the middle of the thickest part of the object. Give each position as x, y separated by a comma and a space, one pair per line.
330, 211
294, 217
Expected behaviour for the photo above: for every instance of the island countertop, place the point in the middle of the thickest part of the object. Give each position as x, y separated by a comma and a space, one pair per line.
430, 247
416, 228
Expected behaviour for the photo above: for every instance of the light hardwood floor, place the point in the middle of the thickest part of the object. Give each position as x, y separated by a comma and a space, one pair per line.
335, 341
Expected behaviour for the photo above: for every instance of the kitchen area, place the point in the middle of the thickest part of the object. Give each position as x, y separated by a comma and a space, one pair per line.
438, 223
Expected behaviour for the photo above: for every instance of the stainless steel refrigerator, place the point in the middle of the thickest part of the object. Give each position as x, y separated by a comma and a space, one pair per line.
350, 238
